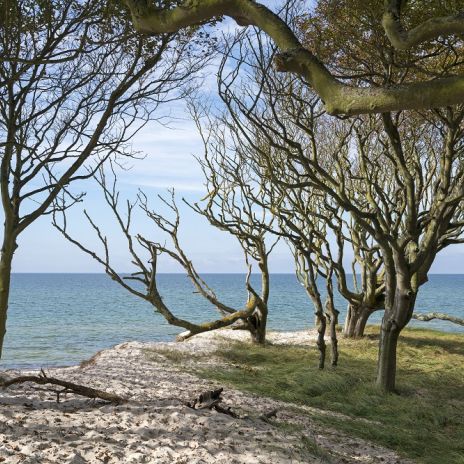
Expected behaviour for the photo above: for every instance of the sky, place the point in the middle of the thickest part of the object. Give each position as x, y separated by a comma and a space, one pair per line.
169, 163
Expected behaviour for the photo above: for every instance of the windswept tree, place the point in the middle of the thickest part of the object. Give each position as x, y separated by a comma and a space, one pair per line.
298, 213
144, 252
303, 219
76, 83
404, 24
400, 176
236, 202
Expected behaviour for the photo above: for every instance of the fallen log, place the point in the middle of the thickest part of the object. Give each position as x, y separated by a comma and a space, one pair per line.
68, 387
442, 316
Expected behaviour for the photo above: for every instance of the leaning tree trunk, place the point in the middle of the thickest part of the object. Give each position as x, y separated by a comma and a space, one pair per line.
356, 320
6, 259
393, 322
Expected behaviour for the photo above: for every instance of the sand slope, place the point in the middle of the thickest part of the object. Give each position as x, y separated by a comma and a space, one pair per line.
154, 426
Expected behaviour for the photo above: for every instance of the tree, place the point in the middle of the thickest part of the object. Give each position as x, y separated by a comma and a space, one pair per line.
301, 208
303, 222
230, 206
400, 176
144, 253
72, 97
339, 94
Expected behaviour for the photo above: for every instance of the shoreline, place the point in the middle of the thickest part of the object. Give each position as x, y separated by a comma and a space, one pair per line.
414, 325
155, 425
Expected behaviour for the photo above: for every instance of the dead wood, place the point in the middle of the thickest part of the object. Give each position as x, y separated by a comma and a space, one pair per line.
442, 316
210, 400
68, 387
268, 415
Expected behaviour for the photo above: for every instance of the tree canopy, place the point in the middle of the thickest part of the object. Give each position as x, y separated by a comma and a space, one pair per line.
404, 24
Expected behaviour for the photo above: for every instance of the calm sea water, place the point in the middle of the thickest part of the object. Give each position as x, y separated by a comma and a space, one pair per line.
61, 319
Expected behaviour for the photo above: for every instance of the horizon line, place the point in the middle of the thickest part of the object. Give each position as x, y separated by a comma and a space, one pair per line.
184, 273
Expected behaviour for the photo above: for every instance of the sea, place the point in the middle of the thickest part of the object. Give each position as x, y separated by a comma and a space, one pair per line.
62, 319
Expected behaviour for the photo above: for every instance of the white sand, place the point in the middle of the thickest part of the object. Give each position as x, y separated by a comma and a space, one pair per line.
154, 426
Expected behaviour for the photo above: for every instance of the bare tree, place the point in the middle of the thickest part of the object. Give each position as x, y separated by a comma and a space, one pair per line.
144, 253
340, 94
303, 222
76, 85
229, 205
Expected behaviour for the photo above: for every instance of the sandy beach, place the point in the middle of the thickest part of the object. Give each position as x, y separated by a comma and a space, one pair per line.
155, 425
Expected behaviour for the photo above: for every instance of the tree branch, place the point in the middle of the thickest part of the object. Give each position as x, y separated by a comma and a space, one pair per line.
444, 317
339, 98
431, 29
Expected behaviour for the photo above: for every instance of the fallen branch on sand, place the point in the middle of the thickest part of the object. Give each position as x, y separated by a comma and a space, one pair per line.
210, 400
68, 387
268, 415
442, 316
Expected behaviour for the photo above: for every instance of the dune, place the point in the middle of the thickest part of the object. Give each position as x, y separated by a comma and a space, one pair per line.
155, 425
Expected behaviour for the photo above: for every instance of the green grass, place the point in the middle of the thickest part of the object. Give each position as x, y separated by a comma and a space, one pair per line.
425, 421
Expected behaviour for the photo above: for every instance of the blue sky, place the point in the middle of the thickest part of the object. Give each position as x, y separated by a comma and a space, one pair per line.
169, 162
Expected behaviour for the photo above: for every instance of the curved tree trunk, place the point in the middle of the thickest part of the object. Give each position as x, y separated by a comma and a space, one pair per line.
258, 320
6, 259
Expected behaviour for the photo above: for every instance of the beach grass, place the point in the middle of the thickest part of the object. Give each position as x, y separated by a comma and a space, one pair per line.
424, 421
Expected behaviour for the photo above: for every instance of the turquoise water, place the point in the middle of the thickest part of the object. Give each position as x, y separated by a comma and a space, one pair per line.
61, 319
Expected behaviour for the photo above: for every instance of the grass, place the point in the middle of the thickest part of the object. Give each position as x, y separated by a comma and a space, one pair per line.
425, 421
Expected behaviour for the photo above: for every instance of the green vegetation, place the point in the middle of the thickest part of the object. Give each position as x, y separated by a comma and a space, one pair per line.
425, 421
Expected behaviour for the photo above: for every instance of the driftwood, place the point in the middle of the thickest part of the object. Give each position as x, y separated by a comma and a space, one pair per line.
442, 316
210, 400
268, 415
68, 387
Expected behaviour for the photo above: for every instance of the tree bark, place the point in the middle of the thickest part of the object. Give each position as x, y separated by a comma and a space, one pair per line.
393, 322
257, 323
321, 324
258, 320
333, 321
386, 369
6, 259
356, 320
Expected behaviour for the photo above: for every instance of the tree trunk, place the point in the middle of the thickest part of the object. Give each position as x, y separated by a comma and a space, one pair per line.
386, 369
393, 322
257, 323
333, 321
321, 324
258, 320
6, 259
356, 320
